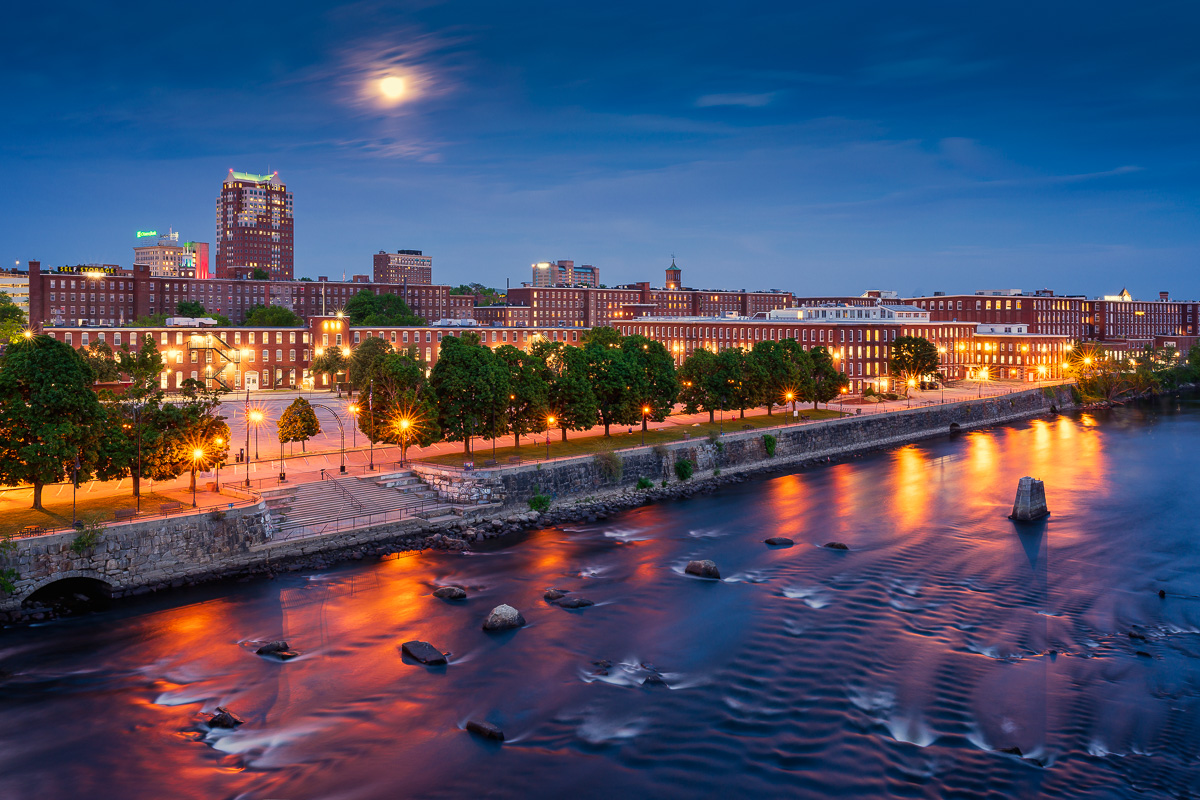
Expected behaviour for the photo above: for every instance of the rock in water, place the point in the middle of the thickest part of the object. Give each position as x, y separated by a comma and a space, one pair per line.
655, 681
556, 594
503, 618
450, 593
1012, 751
1031, 500
779, 541
703, 569
271, 648
836, 546
224, 718
485, 729
576, 602
423, 652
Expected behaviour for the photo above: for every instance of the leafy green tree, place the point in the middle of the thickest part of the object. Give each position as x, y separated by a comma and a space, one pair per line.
189, 308
400, 392
150, 321
12, 320
101, 361
260, 316
298, 423
699, 387
143, 367
49, 415
203, 428
365, 361
743, 377
368, 308
802, 370
778, 370
260, 274
612, 374
569, 392
655, 386
913, 357
527, 392
471, 387
330, 362
827, 381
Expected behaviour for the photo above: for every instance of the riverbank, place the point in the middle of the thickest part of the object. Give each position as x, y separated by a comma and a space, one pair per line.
130, 560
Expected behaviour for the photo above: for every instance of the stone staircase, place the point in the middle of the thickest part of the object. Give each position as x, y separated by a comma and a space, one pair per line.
343, 501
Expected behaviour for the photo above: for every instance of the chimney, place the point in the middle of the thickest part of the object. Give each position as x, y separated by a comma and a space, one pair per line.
1164, 296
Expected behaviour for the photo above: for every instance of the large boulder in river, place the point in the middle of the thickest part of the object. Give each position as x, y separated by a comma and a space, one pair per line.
836, 546
450, 593
703, 569
575, 602
485, 729
224, 718
779, 541
503, 618
423, 652
278, 650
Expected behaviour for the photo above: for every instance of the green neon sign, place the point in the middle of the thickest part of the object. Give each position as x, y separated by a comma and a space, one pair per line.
144, 234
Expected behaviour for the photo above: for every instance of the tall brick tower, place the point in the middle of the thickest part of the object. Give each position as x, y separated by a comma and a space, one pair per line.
254, 226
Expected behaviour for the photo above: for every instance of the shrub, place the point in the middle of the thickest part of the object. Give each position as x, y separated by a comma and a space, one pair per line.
684, 469
610, 466
716, 472
769, 442
664, 483
539, 502
8, 580
714, 438
89, 535
644, 483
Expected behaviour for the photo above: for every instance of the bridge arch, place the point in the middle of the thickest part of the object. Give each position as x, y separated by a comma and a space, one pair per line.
86, 582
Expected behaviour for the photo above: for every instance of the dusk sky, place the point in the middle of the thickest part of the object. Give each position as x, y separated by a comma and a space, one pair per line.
816, 147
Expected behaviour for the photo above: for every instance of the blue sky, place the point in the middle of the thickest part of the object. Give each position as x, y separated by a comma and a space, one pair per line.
822, 148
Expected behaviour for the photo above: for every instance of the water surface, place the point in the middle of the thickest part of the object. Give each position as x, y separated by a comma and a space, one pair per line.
901, 667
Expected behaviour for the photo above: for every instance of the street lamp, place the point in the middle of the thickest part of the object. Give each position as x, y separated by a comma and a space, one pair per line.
404, 426
645, 411
790, 397
353, 409
74, 487
256, 417
220, 443
549, 425
911, 383
197, 454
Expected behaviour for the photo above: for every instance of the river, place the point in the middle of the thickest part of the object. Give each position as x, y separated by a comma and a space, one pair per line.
901, 667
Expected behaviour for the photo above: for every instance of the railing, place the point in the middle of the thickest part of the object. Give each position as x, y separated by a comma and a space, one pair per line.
31, 531
355, 521
327, 475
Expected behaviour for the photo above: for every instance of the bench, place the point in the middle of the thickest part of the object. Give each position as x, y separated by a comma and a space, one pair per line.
32, 530
124, 513
491, 462
167, 508
514, 459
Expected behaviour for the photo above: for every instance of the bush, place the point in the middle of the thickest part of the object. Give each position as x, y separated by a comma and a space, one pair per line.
769, 442
716, 472
8, 580
664, 483
610, 466
539, 502
89, 535
644, 483
714, 438
684, 469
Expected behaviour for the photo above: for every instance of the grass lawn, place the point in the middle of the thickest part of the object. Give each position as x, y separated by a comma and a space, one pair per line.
620, 439
58, 513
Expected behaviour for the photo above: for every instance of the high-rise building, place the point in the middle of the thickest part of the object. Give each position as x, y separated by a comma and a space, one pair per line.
254, 226
168, 258
565, 273
402, 266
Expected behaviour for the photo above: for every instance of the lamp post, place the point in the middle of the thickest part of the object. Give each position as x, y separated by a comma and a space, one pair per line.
256, 417
197, 454
549, 425
645, 411
137, 411
404, 426
282, 471
790, 398
353, 409
246, 464
371, 411
911, 383
220, 443
74, 487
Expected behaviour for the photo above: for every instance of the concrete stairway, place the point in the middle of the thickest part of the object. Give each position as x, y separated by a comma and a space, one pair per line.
343, 498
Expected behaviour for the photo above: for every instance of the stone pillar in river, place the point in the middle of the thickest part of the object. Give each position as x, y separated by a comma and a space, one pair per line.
1031, 500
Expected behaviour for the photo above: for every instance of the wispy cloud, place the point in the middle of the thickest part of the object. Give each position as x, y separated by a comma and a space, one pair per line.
744, 100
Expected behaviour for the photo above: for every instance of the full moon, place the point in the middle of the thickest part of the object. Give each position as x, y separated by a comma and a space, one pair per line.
392, 87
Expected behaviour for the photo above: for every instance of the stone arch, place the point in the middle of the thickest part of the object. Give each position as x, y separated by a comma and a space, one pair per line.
25, 594
955, 427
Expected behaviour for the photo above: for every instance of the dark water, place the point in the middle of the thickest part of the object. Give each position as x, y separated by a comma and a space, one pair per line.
896, 669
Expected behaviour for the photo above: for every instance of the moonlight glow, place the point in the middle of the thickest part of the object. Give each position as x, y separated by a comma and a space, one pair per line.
392, 88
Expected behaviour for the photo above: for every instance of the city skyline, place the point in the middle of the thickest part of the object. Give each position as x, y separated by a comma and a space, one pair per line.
828, 150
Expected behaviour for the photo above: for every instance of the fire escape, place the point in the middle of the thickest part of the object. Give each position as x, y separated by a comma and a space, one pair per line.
219, 358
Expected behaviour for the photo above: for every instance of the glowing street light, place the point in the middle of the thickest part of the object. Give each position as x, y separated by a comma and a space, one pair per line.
550, 424
256, 419
353, 409
645, 412
405, 424
197, 454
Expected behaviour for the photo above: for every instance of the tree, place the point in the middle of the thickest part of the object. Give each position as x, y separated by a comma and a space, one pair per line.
260, 274
913, 357
698, 383
743, 378
827, 382
612, 376
655, 385
801, 370
192, 308
298, 423
49, 416
400, 393
471, 387
12, 320
143, 367
330, 362
271, 317
365, 361
368, 308
150, 321
101, 361
779, 373
202, 429
527, 392
568, 391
